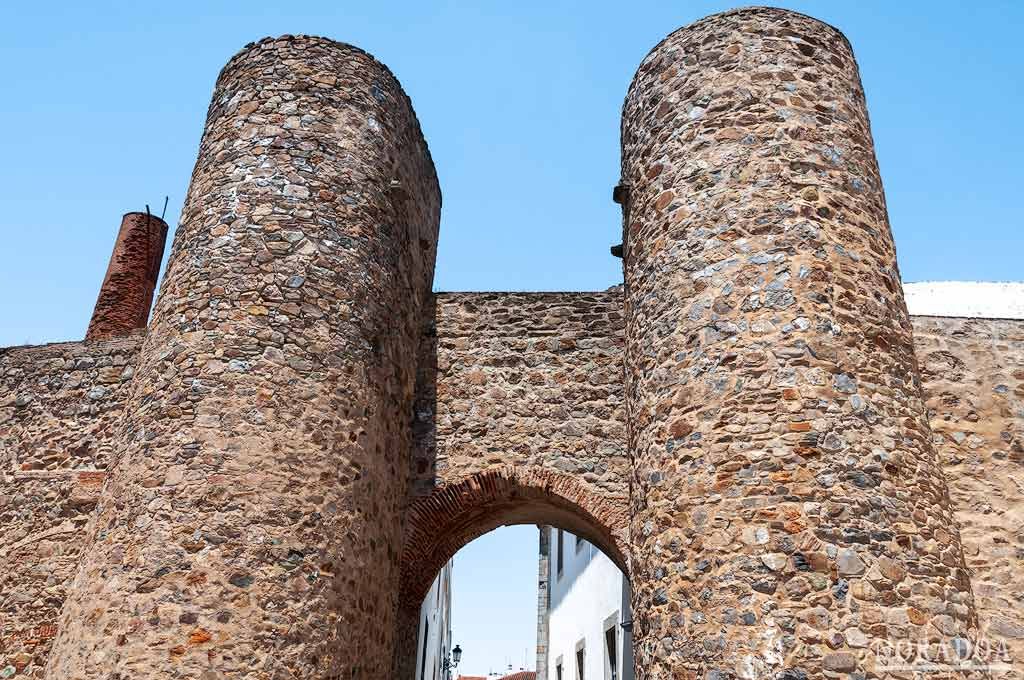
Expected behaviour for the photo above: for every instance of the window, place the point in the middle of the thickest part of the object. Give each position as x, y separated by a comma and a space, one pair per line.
611, 648
560, 559
580, 658
423, 658
558, 670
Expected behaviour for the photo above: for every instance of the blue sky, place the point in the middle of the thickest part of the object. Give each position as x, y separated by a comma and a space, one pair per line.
103, 105
494, 600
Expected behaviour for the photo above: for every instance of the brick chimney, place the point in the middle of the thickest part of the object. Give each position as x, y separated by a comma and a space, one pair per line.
127, 292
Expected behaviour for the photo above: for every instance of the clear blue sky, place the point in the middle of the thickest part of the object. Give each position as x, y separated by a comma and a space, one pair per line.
103, 105
494, 600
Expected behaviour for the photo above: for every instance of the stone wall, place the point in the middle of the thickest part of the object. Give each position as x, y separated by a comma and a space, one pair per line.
58, 407
973, 374
519, 419
522, 379
60, 403
743, 431
513, 369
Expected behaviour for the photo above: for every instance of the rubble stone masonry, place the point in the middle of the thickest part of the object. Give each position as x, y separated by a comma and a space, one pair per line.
973, 372
516, 391
973, 385
788, 504
251, 524
262, 484
59, 408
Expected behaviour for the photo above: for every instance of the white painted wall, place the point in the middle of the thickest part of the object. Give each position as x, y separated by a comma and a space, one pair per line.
973, 299
589, 590
436, 623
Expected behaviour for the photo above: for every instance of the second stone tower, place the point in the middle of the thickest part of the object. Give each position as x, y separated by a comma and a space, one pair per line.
788, 510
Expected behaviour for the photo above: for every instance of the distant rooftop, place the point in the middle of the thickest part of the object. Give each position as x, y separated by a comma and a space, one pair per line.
972, 299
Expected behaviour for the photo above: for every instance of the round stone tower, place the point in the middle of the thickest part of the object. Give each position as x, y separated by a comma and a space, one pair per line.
789, 515
251, 524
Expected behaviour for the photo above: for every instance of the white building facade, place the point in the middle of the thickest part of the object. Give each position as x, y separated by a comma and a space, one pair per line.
434, 641
584, 625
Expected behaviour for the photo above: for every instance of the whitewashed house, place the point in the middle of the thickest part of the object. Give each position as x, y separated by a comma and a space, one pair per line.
434, 643
583, 622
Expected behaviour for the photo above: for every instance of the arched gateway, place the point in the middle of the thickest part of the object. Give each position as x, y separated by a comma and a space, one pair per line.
742, 428
445, 521
441, 523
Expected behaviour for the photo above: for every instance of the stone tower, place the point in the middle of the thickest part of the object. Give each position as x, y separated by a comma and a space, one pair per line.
776, 419
255, 505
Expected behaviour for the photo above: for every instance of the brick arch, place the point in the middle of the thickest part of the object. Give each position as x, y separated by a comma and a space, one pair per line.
460, 511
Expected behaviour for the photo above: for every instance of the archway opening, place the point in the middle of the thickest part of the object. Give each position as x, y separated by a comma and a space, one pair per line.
566, 544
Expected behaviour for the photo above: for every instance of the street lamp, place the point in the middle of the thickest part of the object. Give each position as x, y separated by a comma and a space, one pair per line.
451, 662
